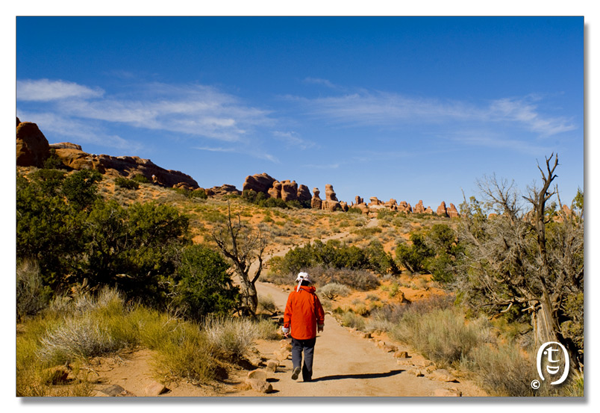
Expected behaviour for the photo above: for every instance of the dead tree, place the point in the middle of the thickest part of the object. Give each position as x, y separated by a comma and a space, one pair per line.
244, 248
525, 258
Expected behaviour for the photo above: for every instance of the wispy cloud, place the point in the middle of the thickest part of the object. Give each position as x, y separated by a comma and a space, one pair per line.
194, 110
386, 109
293, 139
44, 90
317, 81
245, 151
80, 132
497, 141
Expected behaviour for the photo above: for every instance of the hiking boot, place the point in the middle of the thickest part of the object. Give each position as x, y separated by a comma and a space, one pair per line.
296, 373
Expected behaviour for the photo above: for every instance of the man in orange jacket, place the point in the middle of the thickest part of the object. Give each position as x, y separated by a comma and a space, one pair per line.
304, 317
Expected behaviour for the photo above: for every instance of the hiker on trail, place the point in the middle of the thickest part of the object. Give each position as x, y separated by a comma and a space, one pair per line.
304, 316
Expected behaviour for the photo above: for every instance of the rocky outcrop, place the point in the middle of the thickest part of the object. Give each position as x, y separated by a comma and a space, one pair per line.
316, 202
275, 190
330, 194
452, 212
258, 183
358, 200
405, 207
32, 146
128, 166
289, 191
419, 208
303, 194
223, 190
441, 210
33, 149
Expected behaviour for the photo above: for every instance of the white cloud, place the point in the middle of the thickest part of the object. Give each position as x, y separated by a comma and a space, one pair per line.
292, 139
240, 150
81, 132
394, 110
194, 110
47, 90
317, 81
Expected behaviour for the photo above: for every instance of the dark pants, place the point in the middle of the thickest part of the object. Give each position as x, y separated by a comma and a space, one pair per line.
308, 347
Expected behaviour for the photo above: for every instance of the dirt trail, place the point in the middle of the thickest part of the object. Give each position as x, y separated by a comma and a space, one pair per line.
348, 365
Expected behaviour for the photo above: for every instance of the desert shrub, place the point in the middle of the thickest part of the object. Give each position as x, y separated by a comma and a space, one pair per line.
380, 261
126, 183
501, 370
32, 295
231, 337
267, 330
353, 210
186, 352
333, 290
53, 161
78, 338
441, 335
267, 304
80, 188
358, 279
204, 284
139, 178
349, 319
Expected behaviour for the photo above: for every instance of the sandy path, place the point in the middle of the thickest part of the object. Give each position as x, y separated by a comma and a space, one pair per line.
347, 365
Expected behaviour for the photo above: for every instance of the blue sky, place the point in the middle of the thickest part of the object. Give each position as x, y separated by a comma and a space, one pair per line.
407, 108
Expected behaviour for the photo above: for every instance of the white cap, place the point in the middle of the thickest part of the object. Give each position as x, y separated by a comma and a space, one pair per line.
303, 276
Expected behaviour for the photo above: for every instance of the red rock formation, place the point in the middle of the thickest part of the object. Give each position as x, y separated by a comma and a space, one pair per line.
303, 193
289, 191
373, 201
419, 208
329, 193
32, 145
404, 207
358, 200
275, 190
429, 211
223, 190
344, 206
258, 183
441, 210
452, 212
316, 202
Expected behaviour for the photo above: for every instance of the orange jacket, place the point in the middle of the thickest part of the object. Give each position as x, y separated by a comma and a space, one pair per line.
303, 312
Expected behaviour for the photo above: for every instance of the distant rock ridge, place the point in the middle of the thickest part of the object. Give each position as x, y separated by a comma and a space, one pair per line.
33, 149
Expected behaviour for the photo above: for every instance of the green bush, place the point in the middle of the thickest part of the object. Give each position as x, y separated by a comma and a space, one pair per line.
126, 183
414, 257
80, 188
139, 178
205, 285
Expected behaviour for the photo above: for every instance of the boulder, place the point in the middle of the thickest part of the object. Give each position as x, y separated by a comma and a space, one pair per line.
155, 389
32, 146
116, 391
401, 355
428, 210
272, 365
258, 183
260, 385
442, 375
